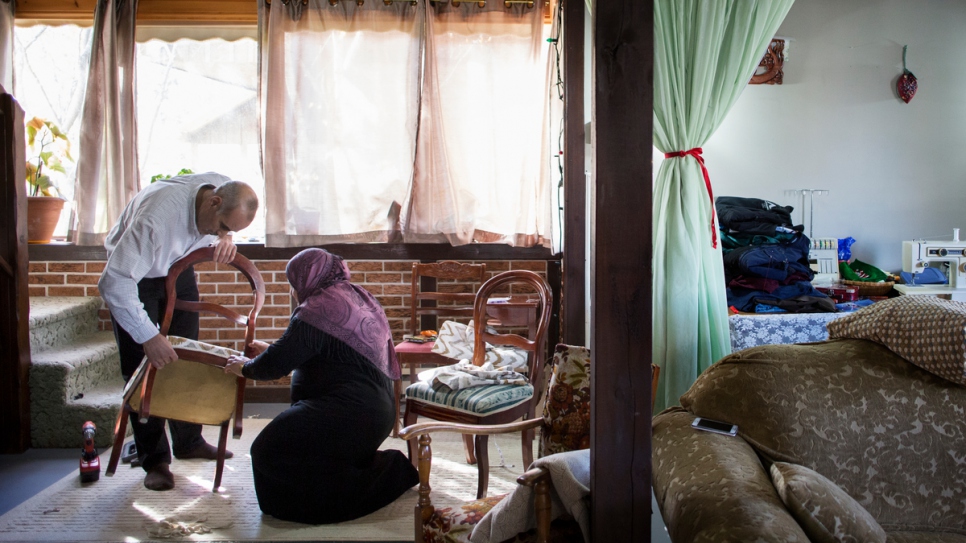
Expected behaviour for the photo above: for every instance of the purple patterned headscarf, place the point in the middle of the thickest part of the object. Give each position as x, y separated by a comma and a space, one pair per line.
345, 311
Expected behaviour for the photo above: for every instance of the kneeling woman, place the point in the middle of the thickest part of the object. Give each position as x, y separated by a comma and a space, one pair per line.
318, 462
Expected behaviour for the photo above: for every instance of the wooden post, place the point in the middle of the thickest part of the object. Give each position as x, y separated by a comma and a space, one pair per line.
575, 180
620, 446
14, 300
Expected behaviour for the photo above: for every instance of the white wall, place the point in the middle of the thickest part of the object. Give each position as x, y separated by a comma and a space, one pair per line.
896, 171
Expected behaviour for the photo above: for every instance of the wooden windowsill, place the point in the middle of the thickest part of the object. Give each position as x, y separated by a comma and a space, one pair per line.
65, 252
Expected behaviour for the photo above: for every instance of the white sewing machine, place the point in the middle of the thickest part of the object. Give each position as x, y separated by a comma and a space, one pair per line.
948, 256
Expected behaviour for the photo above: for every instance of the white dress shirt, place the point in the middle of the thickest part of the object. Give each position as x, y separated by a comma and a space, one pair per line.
156, 229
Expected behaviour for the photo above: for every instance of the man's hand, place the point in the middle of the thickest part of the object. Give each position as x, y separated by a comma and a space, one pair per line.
235, 364
159, 352
225, 249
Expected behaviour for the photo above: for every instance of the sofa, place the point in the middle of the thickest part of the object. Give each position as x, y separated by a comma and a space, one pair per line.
860, 438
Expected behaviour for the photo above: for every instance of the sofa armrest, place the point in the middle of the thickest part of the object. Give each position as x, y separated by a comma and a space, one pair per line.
712, 487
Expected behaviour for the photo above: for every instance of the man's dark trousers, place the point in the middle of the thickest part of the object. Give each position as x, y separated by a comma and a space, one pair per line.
149, 437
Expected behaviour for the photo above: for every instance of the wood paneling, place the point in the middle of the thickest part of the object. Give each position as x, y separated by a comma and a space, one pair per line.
620, 445
14, 303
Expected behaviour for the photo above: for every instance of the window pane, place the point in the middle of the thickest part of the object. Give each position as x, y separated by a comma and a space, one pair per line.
50, 78
197, 109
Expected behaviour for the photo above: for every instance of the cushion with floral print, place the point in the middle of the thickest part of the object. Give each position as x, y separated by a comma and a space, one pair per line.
566, 411
454, 524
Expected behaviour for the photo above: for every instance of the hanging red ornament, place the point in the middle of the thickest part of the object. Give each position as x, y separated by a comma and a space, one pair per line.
907, 84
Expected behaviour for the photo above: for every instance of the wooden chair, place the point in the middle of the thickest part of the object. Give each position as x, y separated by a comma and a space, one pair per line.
494, 404
569, 386
438, 304
194, 388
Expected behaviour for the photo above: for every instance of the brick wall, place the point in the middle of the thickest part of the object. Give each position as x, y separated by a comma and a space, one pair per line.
389, 281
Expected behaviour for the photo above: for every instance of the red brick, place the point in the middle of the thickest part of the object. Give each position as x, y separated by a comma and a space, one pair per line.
280, 322
45, 279
92, 291
279, 299
375, 290
36, 291
229, 333
383, 277
532, 265
219, 299
237, 288
95, 267
104, 314
397, 289
70, 267
398, 265
37, 267
270, 265
365, 265
454, 288
390, 301
277, 288
204, 266
245, 301
213, 322
65, 291
397, 312
205, 288
497, 266
278, 277
73, 279
216, 277
207, 335
276, 311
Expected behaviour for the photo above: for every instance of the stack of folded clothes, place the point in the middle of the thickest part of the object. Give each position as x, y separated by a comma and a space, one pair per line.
766, 258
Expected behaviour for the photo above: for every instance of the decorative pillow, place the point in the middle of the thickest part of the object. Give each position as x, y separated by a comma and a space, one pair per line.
566, 411
927, 331
822, 509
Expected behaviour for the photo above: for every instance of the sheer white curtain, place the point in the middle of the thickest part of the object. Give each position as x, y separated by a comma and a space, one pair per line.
107, 169
7, 10
340, 92
705, 52
481, 162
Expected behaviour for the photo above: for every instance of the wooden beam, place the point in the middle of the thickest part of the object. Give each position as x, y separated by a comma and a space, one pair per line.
575, 180
620, 446
14, 303
161, 12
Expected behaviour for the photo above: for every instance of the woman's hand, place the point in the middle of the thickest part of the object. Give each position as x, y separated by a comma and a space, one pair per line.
235, 364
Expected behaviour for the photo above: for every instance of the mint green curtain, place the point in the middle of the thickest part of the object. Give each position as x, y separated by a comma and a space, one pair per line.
705, 51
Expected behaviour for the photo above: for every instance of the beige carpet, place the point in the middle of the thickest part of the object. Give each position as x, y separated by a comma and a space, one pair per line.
119, 508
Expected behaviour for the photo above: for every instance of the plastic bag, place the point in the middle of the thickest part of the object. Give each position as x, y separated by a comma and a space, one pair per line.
845, 251
860, 271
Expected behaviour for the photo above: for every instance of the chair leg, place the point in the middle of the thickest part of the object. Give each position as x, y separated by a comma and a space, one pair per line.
482, 466
120, 428
527, 438
468, 447
409, 419
397, 392
220, 463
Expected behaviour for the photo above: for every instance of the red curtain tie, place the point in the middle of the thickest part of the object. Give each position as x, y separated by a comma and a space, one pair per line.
696, 153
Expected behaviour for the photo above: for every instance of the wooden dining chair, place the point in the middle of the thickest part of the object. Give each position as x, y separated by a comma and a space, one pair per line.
195, 387
491, 404
413, 355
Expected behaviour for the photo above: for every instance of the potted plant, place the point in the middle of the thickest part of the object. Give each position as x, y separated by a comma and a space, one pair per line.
48, 149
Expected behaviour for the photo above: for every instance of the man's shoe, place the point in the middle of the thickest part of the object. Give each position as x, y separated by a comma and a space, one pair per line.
159, 478
205, 451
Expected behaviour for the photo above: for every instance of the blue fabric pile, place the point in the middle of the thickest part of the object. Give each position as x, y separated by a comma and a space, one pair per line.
766, 258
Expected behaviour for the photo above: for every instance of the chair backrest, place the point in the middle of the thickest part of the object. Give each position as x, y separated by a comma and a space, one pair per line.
244, 266
538, 293
442, 304
195, 388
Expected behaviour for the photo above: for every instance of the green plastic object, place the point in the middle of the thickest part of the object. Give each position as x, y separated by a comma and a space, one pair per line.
860, 271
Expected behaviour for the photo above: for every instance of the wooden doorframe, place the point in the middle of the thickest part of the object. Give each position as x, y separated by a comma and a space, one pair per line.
14, 301
620, 443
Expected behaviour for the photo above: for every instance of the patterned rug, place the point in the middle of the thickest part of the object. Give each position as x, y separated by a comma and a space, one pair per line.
120, 509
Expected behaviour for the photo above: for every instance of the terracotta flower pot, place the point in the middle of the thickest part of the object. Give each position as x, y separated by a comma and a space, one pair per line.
43, 212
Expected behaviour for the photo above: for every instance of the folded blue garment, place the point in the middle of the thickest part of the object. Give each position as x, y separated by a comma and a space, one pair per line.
928, 276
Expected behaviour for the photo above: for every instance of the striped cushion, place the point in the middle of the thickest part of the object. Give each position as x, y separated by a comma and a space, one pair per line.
484, 400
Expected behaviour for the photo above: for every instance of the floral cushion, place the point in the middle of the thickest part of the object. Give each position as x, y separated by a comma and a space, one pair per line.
566, 412
927, 331
452, 525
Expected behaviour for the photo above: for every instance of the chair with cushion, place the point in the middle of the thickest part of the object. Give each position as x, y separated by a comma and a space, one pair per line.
491, 404
195, 387
564, 428
437, 304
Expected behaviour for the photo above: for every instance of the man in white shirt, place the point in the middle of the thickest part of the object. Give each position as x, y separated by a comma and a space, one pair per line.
164, 222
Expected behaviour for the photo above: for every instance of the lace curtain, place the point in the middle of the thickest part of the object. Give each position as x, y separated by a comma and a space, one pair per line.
404, 123
705, 52
107, 170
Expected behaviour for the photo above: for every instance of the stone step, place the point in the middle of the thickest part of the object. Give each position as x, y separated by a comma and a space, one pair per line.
57, 320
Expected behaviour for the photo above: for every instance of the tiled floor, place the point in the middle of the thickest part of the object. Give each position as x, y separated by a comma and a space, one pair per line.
24, 475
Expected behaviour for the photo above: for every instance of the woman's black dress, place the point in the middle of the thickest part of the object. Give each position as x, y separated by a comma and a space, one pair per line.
318, 462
